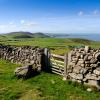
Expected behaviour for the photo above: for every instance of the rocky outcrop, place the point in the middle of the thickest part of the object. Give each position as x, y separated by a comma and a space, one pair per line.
84, 66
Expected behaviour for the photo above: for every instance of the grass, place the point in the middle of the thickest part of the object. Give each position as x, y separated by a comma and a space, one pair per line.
44, 86
46, 42
57, 45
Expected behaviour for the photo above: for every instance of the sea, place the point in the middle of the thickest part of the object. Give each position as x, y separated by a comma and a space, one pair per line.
94, 37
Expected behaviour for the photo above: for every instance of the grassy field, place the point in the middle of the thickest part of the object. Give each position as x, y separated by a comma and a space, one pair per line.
44, 86
58, 46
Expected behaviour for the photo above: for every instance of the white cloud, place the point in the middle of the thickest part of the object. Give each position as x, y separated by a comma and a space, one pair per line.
30, 24
80, 13
7, 27
60, 24
2, 26
15, 26
22, 21
95, 12
89, 14
11, 23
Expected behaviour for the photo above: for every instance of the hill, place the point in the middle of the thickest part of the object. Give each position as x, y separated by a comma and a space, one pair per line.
18, 35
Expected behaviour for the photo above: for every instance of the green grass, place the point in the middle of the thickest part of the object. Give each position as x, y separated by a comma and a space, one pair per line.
58, 46
45, 42
45, 86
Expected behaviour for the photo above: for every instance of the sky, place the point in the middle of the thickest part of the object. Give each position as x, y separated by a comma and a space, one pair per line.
50, 16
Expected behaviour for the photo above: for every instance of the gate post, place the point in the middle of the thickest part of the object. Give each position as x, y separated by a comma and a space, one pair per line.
47, 59
65, 66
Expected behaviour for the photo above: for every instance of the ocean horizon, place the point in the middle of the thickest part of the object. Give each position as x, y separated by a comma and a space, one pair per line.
93, 37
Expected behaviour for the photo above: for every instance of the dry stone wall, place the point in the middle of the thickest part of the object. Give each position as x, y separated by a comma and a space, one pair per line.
24, 55
84, 66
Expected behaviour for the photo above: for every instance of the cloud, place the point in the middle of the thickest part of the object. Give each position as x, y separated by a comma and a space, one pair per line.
7, 27
3, 26
22, 25
22, 21
95, 12
30, 24
11, 23
89, 14
80, 13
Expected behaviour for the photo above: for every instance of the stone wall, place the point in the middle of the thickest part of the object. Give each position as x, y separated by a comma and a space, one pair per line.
25, 55
83, 63
84, 66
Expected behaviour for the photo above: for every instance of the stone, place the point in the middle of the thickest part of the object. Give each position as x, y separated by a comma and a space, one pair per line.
79, 81
98, 64
73, 53
93, 83
78, 55
86, 49
21, 71
87, 62
90, 57
24, 72
76, 76
97, 71
74, 59
27, 60
97, 56
38, 68
74, 62
80, 50
91, 77
84, 80
93, 61
64, 79
77, 69
89, 89
93, 65
82, 65
81, 56
32, 62
87, 65
81, 61
83, 70
86, 57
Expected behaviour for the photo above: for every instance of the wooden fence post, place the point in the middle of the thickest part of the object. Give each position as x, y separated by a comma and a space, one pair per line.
65, 66
47, 59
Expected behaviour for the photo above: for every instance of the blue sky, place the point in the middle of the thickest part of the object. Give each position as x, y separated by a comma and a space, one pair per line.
53, 16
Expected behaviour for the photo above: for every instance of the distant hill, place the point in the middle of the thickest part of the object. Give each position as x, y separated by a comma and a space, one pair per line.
39, 34
18, 35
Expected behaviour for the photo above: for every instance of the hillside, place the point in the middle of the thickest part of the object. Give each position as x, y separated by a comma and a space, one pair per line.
34, 88
12, 88
18, 35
